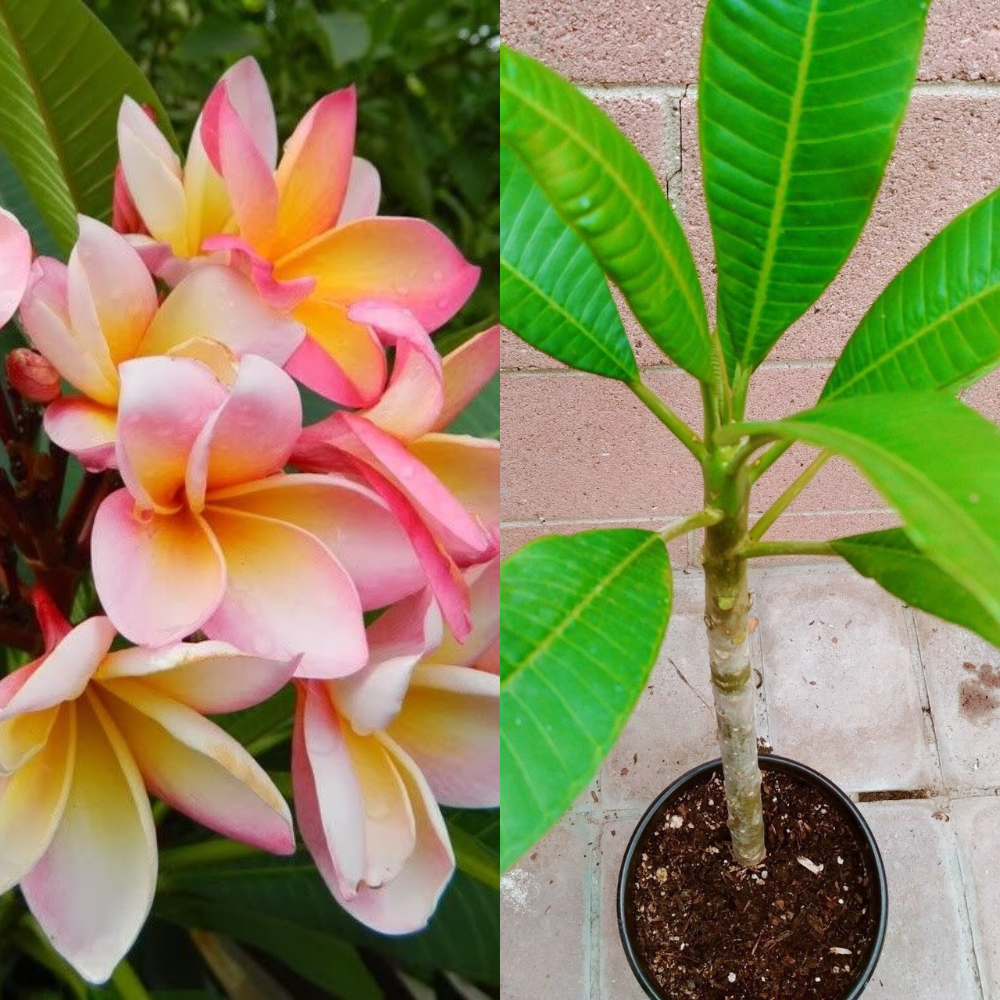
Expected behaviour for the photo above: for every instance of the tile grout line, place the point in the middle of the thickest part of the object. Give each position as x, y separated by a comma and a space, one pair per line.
978, 967
592, 951
929, 725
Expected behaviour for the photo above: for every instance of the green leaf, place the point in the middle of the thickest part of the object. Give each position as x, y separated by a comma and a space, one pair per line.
583, 619
552, 293
895, 563
348, 36
15, 198
610, 197
475, 836
798, 106
463, 935
321, 957
481, 418
936, 324
63, 76
937, 463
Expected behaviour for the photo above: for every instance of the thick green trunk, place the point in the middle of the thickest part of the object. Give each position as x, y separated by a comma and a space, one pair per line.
727, 612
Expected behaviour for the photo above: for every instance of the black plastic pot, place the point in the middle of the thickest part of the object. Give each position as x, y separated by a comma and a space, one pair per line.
768, 762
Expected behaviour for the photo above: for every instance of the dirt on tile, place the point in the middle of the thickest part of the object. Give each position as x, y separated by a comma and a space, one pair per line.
977, 692
794, 928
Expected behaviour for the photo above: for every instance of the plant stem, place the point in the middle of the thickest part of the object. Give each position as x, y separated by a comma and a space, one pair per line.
669, 419
727, 612
692, 522
778, 507
757, 550
758, 468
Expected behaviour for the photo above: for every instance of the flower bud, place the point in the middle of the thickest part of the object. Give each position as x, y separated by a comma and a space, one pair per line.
32, 376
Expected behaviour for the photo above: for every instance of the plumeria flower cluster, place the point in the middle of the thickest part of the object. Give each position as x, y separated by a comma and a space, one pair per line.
234, 550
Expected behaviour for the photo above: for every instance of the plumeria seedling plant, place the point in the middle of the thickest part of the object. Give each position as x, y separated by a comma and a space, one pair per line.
335, 584
799, 103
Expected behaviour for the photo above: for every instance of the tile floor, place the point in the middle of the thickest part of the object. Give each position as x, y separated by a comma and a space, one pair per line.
879, 697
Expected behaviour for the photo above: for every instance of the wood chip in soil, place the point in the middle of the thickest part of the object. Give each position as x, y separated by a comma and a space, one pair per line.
795, 928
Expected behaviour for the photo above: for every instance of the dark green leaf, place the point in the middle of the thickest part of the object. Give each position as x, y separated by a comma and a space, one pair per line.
895, 563
610, 197
937, 463
583, 619
799, 104
463, 936
15, 198
552, 293
63, 76
321, 957
937, 324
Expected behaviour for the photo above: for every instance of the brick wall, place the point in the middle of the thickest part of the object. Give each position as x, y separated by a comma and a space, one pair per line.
580, 451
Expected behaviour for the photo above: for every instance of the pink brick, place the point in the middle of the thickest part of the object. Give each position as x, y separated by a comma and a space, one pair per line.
514, 536
578, 447
609, 41
947, 158
963, 41
984, 396
632, 41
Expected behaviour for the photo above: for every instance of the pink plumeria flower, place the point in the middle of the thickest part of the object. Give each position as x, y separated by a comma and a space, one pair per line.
209, 534
306, 228
443, 487
84, 733
15, 264
375, 754
101, 309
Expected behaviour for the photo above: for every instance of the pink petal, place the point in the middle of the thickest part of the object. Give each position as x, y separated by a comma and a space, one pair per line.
218, 302
406, 262
349, 519
412, 402
484, 592
282, 296
159, 578
329, 807
92, 890
153, 174
32, 801
466, 371
249, 180
287, 595
246, 88
405, 904
109, 284
313, 174
44, 315
62, 675
398, 640
84, 429
250, 436
443, 576
469, 469
163, 406
450, 726
340, 359
209, 677
461, 532
15, 264
490, 659
364, 190
198, 768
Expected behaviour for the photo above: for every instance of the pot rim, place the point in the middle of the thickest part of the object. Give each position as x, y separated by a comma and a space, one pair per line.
767, 762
